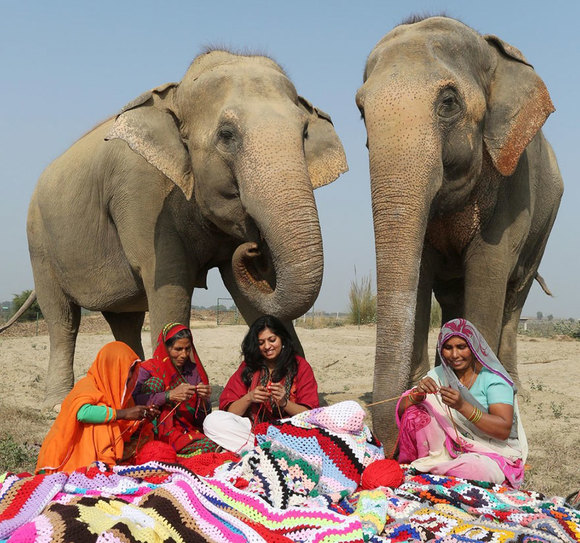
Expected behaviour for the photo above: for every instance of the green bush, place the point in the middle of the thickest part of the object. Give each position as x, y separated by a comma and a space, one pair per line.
31, 313
363, 303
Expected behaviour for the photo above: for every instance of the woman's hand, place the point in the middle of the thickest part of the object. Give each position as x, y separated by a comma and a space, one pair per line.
182, 392
278, 392
452, 398
138, 412
427, 385
203, 391
260, 394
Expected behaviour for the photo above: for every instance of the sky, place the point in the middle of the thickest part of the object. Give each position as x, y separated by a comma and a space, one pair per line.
66, 65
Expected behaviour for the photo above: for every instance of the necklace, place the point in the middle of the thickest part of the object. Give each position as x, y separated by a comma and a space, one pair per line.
473, 378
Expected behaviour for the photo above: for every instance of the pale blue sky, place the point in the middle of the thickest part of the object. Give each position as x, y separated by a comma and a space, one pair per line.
66, 65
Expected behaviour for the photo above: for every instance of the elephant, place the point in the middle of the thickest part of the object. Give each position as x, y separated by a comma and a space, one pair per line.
465, 190
216, 170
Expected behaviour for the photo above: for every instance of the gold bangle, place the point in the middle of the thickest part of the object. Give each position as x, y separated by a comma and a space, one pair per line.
475, 416
413, 400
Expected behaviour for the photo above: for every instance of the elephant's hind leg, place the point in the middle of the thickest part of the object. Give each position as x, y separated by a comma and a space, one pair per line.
126, 327
63, 320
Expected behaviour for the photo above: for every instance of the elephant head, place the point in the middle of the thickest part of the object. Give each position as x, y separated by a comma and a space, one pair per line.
239, 141
448, 113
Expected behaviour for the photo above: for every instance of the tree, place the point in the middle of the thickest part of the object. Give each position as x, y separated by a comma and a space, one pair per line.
539, 315
550, 317
31, 313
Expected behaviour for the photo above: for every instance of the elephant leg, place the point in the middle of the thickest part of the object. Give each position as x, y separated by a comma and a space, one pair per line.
248, 311
63, 319
450, 295
486, 279
507, 352
126, 327
168, 301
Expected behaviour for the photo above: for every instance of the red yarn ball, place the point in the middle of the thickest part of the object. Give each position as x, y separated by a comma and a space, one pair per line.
156, 450
385, 472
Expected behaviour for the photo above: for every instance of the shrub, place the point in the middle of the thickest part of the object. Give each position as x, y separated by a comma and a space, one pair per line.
363, 303
435, 317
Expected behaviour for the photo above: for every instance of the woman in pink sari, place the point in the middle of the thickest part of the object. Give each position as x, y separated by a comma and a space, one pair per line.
462, 419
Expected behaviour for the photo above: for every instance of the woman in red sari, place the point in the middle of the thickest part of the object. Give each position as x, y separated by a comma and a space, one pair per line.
272, 383
175, 381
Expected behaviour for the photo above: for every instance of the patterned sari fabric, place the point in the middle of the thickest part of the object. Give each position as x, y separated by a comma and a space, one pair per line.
424, 423
300, 484
179, 426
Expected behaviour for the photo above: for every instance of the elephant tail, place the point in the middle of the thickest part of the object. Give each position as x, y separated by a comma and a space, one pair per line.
543, 284
29, 301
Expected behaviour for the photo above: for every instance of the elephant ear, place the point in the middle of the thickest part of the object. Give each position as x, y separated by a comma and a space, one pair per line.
324, 152
518, 106
149, 127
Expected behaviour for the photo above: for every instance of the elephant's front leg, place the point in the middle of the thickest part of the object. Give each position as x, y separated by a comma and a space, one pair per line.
168, 296
487, 269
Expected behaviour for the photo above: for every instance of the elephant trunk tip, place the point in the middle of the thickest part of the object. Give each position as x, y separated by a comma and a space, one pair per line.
250, 267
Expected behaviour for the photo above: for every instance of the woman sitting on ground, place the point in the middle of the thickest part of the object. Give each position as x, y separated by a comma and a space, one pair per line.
94, 422
462, 418
272, 382
175, 381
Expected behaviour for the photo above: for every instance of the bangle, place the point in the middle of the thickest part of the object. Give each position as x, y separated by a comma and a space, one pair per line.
475, 416
285, 404
167, 400
412, 398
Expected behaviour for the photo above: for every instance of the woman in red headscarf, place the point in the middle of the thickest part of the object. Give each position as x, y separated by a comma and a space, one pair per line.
175, 381
98, 416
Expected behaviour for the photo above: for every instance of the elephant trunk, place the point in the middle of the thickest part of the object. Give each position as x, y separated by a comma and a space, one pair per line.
406, 173
282, 273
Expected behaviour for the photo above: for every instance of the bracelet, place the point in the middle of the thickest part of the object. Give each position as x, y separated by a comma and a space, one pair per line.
475, 416
167, 396
413, 400
285, 404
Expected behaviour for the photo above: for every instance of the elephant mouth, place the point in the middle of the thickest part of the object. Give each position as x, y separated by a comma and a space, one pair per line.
252, 266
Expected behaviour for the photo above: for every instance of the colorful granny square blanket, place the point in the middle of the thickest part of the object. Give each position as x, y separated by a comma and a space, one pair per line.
299, 484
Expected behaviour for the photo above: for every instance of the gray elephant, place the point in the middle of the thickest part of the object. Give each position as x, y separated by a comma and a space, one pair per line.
217, 170
465, 190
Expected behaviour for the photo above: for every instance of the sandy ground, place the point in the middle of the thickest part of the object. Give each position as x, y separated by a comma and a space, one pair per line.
342, 359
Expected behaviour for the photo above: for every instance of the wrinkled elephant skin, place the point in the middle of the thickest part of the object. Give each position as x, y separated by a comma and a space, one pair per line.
465, 190
135, 213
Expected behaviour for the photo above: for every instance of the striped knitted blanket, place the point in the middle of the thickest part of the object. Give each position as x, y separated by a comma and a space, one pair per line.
299, 484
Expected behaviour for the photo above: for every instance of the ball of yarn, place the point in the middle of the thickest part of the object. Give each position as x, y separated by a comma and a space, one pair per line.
385, 472
156, 450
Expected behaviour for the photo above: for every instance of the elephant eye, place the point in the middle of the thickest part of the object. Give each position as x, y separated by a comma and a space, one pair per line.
305, 132
448, 105
226, 134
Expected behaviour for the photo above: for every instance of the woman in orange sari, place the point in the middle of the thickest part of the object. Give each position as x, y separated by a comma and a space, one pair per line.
98, 415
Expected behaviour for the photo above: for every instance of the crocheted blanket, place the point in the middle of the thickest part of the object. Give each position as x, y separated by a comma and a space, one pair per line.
299, 484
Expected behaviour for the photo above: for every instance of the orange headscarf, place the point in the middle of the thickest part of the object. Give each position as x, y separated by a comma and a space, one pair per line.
71, 444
